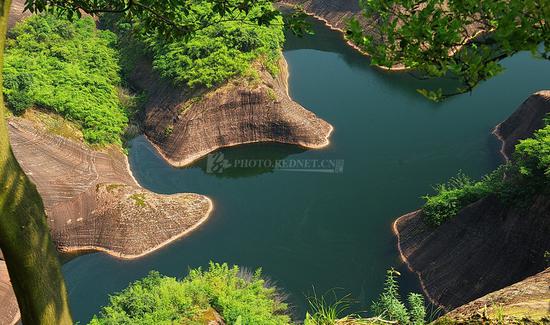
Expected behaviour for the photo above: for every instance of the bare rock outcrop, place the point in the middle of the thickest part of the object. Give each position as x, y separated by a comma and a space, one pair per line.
93, 202
185, 125
523, 122
525, 302
17, 12
335, 13
488, 245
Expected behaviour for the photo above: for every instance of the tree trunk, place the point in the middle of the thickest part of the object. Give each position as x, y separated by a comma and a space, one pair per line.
25, 240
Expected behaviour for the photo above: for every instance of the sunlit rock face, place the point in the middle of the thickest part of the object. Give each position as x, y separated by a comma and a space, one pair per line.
93, 202
488, 245
524, 302
335, 12
185, 125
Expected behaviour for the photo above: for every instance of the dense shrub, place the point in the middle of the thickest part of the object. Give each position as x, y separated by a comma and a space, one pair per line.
215, 53
513, 183
237, 296
67, 67
533, 154
451, 197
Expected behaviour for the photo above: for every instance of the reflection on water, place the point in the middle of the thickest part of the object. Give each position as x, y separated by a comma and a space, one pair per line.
323, 230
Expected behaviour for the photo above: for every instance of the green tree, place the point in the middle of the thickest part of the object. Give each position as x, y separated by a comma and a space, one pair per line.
465, 39
25, 239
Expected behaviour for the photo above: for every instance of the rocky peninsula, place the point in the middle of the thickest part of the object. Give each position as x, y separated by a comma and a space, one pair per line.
185, 125
93, 202
488, 245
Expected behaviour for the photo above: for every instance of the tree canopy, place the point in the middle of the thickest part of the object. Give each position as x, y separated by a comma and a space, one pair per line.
465, 39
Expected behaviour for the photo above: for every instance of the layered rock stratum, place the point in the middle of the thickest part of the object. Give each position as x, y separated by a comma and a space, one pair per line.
523, 122
185, 125
509, 305
93, 202
335, 13
488, 245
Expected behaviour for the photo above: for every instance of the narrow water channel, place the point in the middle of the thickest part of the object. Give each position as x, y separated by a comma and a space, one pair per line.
323, 230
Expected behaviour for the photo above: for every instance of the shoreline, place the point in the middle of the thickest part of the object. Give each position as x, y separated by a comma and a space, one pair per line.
496, 133
188, 231
405, 260
400, 68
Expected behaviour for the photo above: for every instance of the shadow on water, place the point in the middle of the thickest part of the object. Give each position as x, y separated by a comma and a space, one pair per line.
232, 162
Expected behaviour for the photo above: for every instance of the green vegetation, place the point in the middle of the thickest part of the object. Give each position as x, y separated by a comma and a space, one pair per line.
436, 37
514, 183
69, 68
243, 298
388, 309
139, 199
232, 292
217, 51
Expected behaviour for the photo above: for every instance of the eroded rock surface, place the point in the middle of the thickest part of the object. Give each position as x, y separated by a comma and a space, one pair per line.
488, 245
93, 202
185, 125
510, 305
524, 122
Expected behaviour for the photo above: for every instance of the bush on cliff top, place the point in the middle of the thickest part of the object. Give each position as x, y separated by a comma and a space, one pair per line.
69, 68
237, 296
513, 183
224, 48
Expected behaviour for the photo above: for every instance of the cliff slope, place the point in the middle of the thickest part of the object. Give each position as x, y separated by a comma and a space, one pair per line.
185, 125
488, 245
510, 305
523, 122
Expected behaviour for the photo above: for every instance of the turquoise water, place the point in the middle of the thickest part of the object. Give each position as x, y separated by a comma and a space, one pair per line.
324, 230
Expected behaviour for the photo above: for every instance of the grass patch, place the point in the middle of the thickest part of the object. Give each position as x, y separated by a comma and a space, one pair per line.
55, 124
139, 199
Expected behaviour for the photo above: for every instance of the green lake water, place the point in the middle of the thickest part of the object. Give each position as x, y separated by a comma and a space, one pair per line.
323, 230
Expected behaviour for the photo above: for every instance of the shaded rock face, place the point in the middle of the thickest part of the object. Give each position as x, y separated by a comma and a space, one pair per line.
93, 202
528, 297
488, 245
184, 126
524, 122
